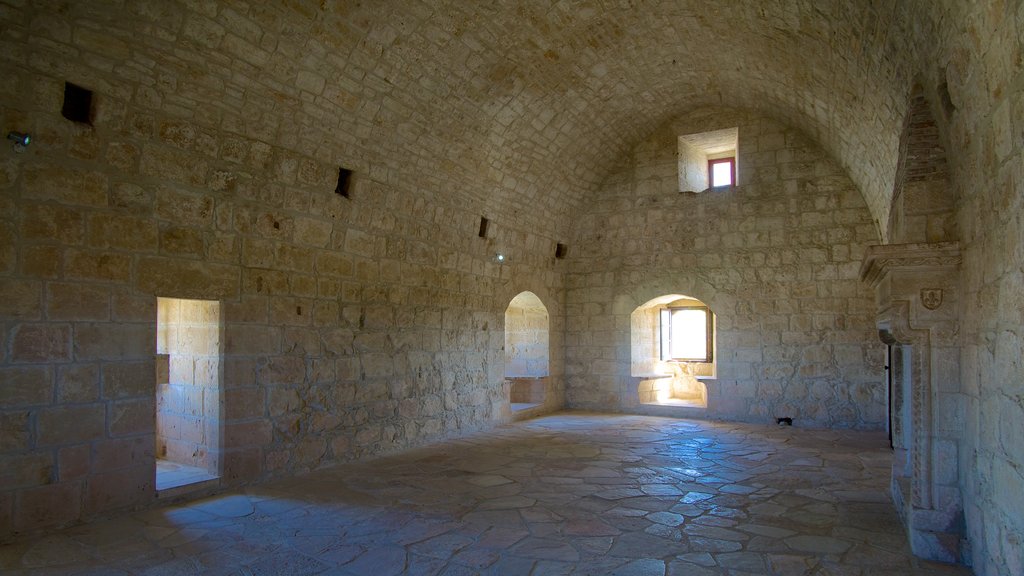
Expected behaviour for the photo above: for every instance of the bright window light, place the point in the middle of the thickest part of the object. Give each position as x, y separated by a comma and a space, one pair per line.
686, 334
722, 171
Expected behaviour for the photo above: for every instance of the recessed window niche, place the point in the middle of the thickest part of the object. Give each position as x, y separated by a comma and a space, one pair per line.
189, 393
526, 350
708, 160
672, 349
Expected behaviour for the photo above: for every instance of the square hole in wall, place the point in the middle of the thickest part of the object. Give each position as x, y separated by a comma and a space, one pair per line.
561, 250
484, 223
77, 105
344, 182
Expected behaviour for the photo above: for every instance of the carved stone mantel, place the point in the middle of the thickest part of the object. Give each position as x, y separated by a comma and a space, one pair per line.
882, 259
917, 295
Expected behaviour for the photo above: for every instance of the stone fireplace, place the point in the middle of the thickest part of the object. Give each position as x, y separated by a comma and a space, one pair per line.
917, 295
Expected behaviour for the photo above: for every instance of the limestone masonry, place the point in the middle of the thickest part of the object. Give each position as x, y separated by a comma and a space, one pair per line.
257, 239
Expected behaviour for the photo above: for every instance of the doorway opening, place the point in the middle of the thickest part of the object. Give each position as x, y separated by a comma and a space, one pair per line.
188, 392
526, 351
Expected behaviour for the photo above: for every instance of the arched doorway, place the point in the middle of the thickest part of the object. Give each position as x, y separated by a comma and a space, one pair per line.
527, 329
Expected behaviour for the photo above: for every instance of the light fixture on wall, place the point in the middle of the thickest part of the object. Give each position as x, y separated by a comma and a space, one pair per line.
21, 140
500, 258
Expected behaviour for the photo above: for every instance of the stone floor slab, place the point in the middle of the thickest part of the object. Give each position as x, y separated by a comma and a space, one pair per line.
571, 493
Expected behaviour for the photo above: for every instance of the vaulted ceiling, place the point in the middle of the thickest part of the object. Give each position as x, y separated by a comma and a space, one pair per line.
534, 102
521, 109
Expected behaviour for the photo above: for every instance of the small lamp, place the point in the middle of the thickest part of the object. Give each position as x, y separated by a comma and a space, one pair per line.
21, 140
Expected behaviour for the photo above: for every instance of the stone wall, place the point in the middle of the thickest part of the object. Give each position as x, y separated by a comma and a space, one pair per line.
775, 258
977, 94
352, 325
209, 170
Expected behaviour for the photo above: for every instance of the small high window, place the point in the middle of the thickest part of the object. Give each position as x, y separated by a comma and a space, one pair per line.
686, 334
707, 160
722, 172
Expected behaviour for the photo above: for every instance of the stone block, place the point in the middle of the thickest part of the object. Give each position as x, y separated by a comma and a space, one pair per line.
192, 401
78, 383
291, 312
114, 341
180, 241
25, 386
187, 279
332, 263
376, 365
282, 400
129, 379
114, 490
41, 261
250, 309
131, 417
119, 454
362, 244
66, 301
129, 307
181, 370
347, 369
121, 231
194, 433
20, 298
128, 195
26, 470
47, 506
207, 372
169, 164
177, 450
36, 343
243, 403
14, 431
65, 185
249, 433
239, 372
283, 370
313, 232
297, 259
242, 465
98, 265
73, 462
123, 156
64, 425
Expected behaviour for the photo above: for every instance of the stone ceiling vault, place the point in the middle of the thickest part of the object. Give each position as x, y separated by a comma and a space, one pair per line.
542, 99
521, 109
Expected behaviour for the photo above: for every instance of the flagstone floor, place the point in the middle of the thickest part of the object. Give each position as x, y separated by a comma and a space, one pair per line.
572, 493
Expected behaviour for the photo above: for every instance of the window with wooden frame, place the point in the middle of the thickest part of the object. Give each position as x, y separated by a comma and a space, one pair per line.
686, 334
722, 172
